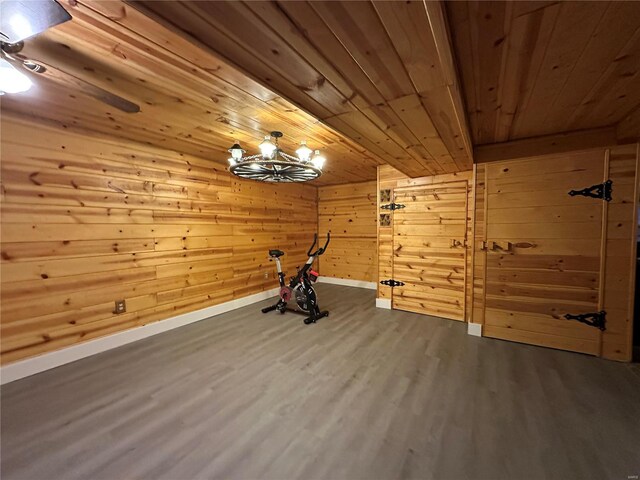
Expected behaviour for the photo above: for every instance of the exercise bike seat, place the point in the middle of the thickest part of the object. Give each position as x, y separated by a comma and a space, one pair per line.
276, 253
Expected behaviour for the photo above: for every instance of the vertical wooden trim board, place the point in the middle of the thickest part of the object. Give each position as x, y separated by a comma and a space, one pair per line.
87, 221
379, 300
477, 240
619, 282
485, 208
471, 241
603, 247
467, 238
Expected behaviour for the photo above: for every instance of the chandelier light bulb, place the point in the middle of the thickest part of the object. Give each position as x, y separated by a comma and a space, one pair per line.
267, 147
304, 152
232, 161
11, 80
318, 160
236, 151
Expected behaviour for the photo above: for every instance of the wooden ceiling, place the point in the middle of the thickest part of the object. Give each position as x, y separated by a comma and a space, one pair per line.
191, 100
538, 68
368, 82
381, 73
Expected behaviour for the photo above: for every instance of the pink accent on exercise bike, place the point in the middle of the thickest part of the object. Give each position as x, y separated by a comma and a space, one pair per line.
285, 294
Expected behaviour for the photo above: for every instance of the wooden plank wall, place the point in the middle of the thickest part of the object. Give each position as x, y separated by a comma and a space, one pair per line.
619, 248
552, 266
87, 221
390, 178
349, 213
429, 252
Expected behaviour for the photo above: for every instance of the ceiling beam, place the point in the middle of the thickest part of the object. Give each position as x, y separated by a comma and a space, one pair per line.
546, 144
448, 64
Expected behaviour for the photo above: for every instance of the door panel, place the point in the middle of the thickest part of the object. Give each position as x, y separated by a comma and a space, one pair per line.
544, 251
429, 235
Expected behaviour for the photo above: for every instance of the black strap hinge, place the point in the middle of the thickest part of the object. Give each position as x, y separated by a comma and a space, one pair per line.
597, 319
392, 283
601, 190
392, 206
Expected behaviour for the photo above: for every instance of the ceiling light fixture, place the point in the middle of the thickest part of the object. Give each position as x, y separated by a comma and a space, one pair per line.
274, 165
11, 80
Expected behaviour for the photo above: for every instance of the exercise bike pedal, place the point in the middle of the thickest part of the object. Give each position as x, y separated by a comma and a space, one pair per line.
315, 318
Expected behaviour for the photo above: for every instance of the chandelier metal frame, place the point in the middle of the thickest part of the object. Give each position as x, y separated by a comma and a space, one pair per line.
277, 167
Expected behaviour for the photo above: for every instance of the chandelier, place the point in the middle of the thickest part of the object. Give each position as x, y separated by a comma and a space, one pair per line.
274, 165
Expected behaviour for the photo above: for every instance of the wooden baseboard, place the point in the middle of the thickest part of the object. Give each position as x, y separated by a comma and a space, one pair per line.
349, 282
383, 303
31, 366
474, 329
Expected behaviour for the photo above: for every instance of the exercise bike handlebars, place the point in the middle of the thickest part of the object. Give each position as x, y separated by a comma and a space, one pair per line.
320, 250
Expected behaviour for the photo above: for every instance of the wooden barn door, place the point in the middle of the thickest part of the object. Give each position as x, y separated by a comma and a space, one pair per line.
429, 254
544, 251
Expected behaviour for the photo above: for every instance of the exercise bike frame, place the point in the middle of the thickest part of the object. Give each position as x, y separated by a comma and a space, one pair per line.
301, 280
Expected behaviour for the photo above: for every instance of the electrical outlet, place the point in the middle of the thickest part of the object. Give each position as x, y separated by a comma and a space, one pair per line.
121, 306
266, 275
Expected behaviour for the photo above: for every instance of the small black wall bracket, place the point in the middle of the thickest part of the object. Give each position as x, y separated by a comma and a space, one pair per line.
392, 283
596, 319
392, 206
601, 190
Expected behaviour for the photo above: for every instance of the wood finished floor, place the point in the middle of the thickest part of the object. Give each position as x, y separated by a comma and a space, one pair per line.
364, 394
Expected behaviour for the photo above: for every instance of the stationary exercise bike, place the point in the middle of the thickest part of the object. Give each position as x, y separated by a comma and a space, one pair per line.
300, 286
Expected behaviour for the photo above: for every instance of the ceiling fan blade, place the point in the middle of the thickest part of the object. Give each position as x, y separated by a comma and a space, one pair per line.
20, 19
69, 80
